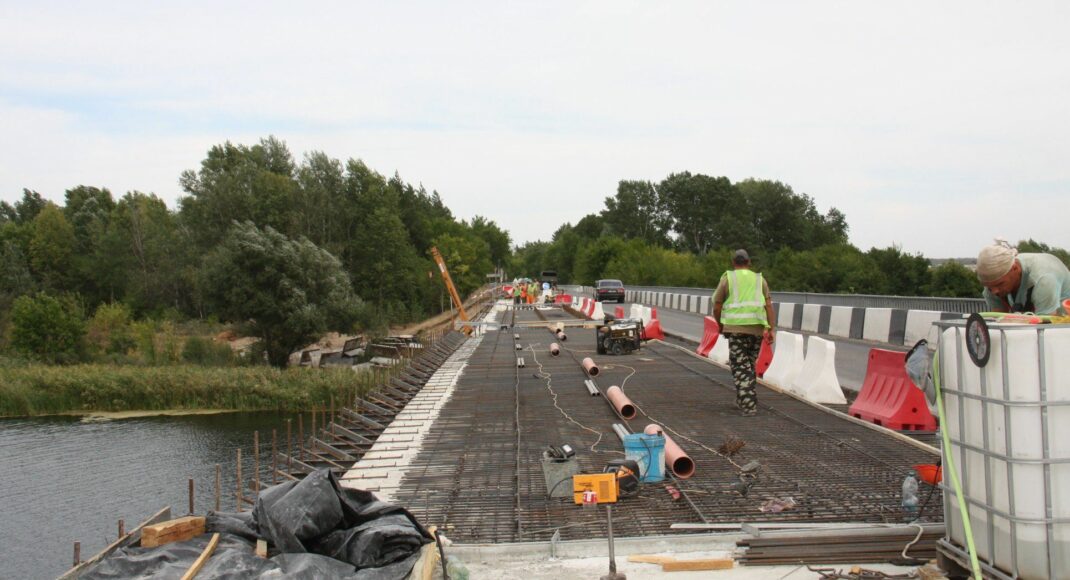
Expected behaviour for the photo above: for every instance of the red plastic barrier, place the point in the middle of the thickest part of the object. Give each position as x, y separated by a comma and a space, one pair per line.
765, 358
589, 309
653, 331
618, 312
889, 398
562, 299
653, 313
710, 333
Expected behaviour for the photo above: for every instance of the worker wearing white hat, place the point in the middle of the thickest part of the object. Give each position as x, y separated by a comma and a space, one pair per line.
1037, 283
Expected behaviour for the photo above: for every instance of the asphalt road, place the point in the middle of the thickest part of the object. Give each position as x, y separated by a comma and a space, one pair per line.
851, 355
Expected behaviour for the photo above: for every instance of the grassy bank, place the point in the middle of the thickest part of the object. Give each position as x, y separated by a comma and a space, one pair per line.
27, 390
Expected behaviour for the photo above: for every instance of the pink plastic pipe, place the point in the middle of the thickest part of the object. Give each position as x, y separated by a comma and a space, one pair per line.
681, 465
590, 367
621, 402
554, 349
561, 336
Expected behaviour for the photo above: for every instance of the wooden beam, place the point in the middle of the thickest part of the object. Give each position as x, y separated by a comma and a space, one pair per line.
172, 531
703, 564
207, 553
648, 559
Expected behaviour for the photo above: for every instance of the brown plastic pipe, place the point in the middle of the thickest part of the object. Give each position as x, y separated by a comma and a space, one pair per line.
590, 367
554, 349
620, 402
676, 460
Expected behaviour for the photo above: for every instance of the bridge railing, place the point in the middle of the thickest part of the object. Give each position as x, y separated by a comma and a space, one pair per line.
956, 305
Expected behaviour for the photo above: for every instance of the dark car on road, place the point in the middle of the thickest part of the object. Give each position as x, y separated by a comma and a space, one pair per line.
607, 290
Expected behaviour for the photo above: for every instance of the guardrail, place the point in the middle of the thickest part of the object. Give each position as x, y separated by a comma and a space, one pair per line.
956, 305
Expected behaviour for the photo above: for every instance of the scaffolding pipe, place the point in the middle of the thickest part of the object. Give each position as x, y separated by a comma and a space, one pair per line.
676, 460
620, 402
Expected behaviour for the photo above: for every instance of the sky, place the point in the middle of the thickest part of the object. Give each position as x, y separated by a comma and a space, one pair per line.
934, 126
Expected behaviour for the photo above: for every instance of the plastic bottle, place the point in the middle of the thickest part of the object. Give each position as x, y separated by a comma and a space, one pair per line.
910, 495
456, 568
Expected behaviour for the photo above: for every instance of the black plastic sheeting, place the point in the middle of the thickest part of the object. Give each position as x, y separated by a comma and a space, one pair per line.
314, 529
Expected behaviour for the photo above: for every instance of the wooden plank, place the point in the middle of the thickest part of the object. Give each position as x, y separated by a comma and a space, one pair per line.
207, 553
648, 559
353, 436
128, 539
357, 417
172, 531
703, 564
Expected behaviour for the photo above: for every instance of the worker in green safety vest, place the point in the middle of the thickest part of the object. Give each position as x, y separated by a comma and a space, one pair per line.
744, 315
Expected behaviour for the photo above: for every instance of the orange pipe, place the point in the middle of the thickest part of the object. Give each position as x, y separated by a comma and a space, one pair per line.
590, 367
621, 402
554, 349
676, 460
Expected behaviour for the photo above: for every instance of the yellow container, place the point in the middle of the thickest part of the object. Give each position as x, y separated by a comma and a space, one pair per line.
603, 484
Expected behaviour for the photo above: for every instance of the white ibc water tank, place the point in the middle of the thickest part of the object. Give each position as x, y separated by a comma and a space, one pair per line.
1009, 427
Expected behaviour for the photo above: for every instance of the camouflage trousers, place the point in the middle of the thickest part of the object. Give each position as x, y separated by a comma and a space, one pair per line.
742, 355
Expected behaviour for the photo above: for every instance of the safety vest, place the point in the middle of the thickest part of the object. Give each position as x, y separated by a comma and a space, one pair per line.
745, 305
516, 290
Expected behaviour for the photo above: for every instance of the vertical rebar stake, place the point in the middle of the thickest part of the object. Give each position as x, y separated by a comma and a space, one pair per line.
332, 407
237, 484
274, 458
218, 486
301, 435
312, 431
191, 496
256, 462
77, 553
289, 447
122, 528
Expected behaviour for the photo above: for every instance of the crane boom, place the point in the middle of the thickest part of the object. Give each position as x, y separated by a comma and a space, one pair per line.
449, 286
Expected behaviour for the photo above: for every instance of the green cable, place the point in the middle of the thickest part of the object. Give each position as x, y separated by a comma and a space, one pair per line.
948, 455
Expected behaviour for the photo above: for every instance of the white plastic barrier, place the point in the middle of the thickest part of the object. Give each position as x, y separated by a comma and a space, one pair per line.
719, 352
598, 313
840, 321
817, 381
787, 360
878, 324
919, 326
647, 316
811, 316
786, 314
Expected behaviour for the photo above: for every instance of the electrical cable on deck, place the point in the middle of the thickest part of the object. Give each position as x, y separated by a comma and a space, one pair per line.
546, 375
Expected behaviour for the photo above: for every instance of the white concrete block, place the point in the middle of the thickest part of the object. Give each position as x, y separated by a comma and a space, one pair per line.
878, 324
811, 317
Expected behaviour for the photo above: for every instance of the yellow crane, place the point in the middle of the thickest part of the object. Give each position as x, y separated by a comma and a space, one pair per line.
449, 286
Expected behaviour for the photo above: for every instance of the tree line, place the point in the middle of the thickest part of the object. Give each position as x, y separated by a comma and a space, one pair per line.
682, 231
289, 248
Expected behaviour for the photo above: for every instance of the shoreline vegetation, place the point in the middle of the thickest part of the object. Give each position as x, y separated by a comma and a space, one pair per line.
38, 389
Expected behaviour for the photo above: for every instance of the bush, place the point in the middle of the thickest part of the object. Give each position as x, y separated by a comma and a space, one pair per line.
109, 331
48, 328
205, 352
40, 389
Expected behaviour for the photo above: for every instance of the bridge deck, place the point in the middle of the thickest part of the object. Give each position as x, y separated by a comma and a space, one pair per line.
478, 471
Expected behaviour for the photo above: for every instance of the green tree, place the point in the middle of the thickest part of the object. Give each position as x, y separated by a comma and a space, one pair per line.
47, 328
707, 212
638, 211
52, 247
905, 274
289, 291
467, 258
496, 238
236, 182
110, 330
782, 218
952, 279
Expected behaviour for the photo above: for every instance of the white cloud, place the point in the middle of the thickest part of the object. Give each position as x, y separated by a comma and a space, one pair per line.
933, 126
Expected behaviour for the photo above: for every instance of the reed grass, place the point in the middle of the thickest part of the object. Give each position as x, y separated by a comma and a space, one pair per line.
36, 389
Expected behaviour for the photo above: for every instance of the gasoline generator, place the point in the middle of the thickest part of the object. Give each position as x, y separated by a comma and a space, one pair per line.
619, 336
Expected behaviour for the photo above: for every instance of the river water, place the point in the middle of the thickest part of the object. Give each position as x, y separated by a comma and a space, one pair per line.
64, 480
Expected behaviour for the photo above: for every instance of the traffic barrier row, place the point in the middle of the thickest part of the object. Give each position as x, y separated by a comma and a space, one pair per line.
887, 325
